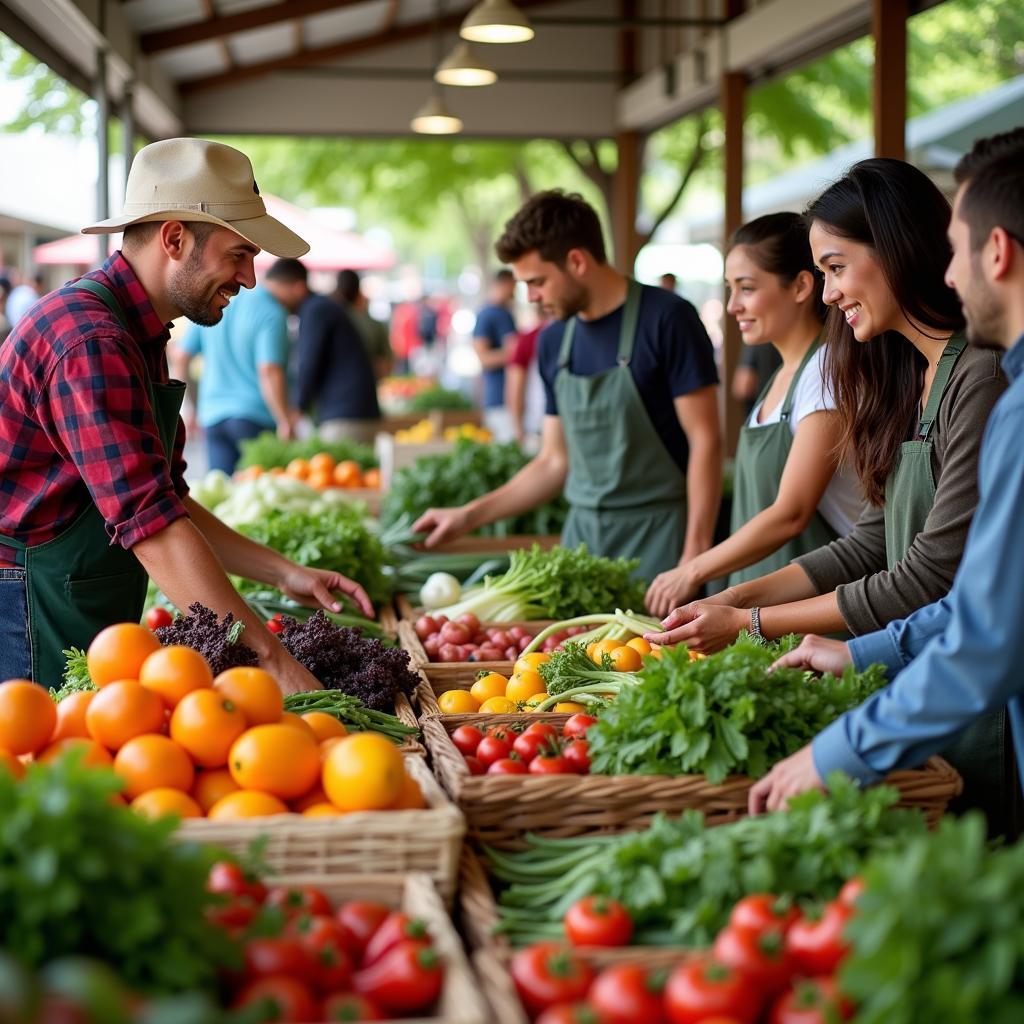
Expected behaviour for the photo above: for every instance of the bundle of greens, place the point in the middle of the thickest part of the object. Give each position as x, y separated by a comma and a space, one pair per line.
469, 470
218, 640
350, 711
555, 584
437, 397
570, 674
720, 715
679, 879
268, 450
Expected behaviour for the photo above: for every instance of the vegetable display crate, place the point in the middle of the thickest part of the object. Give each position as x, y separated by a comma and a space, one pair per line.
414, 894
364, 842
371, 497
500, 809
393, 456
405, 713
387, 619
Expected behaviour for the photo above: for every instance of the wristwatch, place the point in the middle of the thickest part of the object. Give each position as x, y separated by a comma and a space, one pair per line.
755, 625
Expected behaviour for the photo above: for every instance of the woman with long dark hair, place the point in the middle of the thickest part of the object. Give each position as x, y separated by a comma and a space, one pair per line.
792, 492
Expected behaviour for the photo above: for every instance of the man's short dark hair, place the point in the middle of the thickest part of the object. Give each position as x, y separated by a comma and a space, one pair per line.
138, 235
993, 173
552, 223
288, 271
348, 285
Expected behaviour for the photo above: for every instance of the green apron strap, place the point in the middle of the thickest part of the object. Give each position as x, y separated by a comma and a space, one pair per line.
566, 350
787, 402
950, 354
105, 295
630, 316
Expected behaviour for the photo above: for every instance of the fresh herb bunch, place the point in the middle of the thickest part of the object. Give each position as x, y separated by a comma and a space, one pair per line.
939, 931
679, 879
343, 659
720, 715
217, 640
79, 875
76, 675
268, 450
570, 674
469, 470
437, 397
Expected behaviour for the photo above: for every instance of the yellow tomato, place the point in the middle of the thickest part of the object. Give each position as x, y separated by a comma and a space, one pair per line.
570, 707
487, 685
625, 659
498, 706
532, 704
604, 647
524, 685
640, 645
458, 702
531, 661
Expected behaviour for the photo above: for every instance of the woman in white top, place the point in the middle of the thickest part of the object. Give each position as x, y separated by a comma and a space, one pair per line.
791, 494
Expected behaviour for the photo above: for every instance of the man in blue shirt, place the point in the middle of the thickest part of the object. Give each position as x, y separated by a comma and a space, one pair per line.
963, 656
494, 339
243, 390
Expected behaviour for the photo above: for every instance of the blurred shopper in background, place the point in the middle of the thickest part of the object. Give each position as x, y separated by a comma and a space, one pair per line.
336, 385
668, 282
524, 390
23, 296
494, 339
374, 334
756, 365
5, 291
405, 335
243, 389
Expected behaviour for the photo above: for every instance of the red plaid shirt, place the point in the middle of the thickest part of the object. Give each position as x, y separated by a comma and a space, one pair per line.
76, 422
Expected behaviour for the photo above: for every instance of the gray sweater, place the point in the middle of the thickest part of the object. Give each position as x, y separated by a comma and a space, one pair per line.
855, 566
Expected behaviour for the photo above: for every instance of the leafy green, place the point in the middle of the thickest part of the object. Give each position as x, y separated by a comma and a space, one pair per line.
349, 710
939, 931
679, 879
569, 674
459, 476
720, 715
437, 397
76, 675
268, 451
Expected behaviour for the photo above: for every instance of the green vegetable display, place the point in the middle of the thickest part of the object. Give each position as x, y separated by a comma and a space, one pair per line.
437, 397
349, 710
469, 470
268, 451
679, 879
720, 715
939, 931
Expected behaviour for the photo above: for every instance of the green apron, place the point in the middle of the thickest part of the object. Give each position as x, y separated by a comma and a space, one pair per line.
627, 496
760, 459
981, 753
78, 583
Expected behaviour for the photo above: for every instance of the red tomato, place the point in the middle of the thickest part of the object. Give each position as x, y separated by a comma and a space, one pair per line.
703, 988
573, 1013
228, 877
851, 891
275, 625
763, 912
507, 766
350, 1006
286, 1000
627, 993
395, 928
475, 765
598, 921
283, 955
761, 956
545, 729
577, 754
362, 919
470, 621
407, 979
467, 738
236, 912
158, 617
544, 765
817, 947
501, 732
811, 1001
299, 899
529, 745
455, 633
330, 947
548, 973
425, 625
577, 725
492, 749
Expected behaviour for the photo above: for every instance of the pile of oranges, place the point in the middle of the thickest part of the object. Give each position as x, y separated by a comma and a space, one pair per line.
187, 744
320, 471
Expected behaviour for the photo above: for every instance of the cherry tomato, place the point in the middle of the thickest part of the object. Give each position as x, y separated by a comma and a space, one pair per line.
228, 877
761, 956
362, 919
157, 617
470, 621
548, 973
425, 625
598, 921
492, 749
544, 765
627, 993
275, 625
545, 729
395, 928
851, 891
285, 999
407, 979
577, 725
501, 732
475, 765
299, 899
350, 1006
467, 738
235, 913
574, 1013
283, 955
811, 1001
330, 947
817, 947
507, 766
703, 988
529, 745
577, 754
763, 912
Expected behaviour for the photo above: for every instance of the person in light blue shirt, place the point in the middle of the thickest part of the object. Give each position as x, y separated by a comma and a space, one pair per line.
963, 656
243, 390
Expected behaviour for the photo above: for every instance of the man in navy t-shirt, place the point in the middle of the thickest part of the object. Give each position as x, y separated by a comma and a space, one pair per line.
631, 432
494, 338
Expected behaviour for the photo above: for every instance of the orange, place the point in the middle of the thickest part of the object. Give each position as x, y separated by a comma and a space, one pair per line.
71, 716
487, 685
27, 716
364, 773
640, 645
275, 759
325, 745
245, 804
211, 785
298, 468
323, 810
569, 707
411, 797
289, 718
92, 755
174, 671
626, 659
158, 803
348, 474
604, 647
12, 764
315, 796
153, 762
320, 480
322, 462
458, 702
371, 479
121, 711
118, 652
324, 726
525, 684
206, 723
254, 691
498, 706
531, 661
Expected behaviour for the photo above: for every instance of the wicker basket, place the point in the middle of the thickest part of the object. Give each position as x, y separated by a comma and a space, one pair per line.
407, 716
387, 619
413, 893
500, 809
426, 840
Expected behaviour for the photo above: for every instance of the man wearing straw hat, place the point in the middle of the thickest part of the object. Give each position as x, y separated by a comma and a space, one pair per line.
91, 467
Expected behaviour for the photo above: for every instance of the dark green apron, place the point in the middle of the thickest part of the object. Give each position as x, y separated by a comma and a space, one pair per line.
78, 583
627, 494
982, 753
760, 460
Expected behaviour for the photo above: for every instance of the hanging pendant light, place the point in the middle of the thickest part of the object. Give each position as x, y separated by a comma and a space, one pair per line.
463, 67
496, 21
434, 118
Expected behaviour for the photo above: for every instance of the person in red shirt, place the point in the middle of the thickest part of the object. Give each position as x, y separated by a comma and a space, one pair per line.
91, 441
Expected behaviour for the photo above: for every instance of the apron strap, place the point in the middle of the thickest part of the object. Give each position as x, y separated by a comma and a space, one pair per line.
950, 354
627, 333
105, 295
566, 350
787, 402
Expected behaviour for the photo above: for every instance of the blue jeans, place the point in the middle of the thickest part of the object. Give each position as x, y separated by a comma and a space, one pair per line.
15, 652
222, 441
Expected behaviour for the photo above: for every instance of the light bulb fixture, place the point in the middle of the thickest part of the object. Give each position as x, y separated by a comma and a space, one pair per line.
496, 21
434, 118
463, 67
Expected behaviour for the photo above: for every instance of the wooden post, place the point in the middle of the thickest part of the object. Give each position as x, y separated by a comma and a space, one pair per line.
102, 97
625, 199
889, 26
128, 127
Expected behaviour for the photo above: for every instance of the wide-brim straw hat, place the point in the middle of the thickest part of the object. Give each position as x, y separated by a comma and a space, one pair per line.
192, 179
